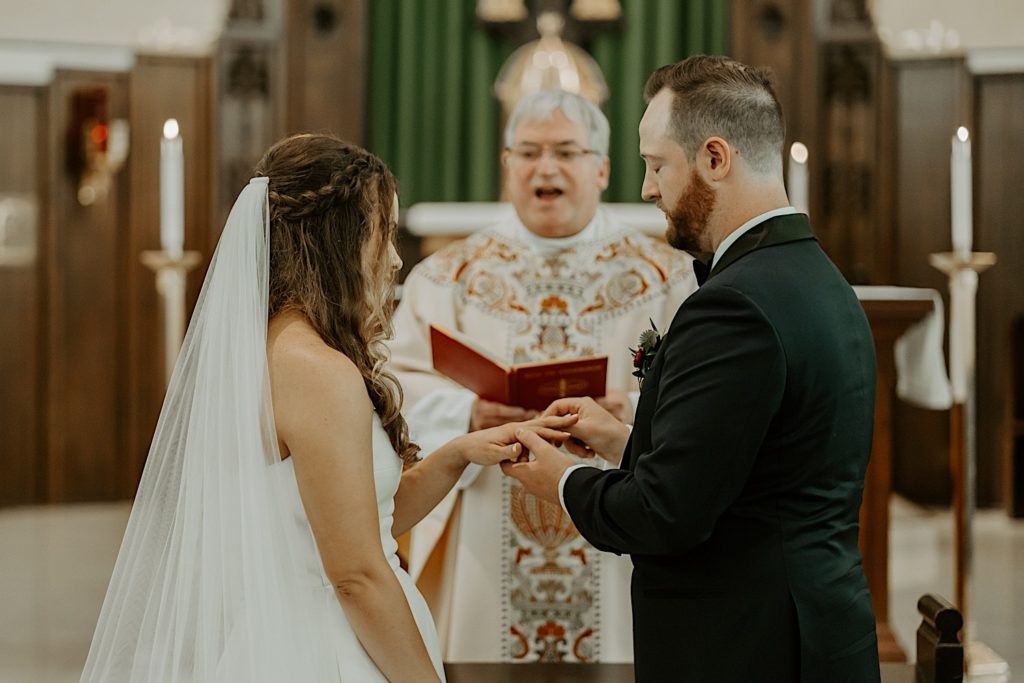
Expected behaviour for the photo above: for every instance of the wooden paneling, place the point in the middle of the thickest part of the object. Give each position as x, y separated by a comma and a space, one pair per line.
327, 67
928, 93
21, 363
780, 34
927, 96
162, 87
249, 95
828, 70
998, 227
84, 252
886, 178
1014, 472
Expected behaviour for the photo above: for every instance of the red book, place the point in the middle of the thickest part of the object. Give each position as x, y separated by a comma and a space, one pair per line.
528, 385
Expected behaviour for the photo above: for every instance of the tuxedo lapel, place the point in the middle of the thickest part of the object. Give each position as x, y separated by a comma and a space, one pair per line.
778, 230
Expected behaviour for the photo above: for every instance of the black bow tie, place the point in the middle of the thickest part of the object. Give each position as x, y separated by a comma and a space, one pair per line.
701, 270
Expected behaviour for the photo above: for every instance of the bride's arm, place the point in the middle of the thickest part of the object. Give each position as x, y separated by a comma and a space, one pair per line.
424, 484
324, 419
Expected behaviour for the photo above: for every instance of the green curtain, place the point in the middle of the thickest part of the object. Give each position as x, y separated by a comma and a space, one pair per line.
432, 113
653, 33
433, 117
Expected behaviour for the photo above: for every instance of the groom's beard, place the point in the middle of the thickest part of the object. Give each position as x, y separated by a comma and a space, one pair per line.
688, 219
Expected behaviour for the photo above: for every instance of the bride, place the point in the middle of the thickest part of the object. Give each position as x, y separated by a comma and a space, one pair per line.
261, 545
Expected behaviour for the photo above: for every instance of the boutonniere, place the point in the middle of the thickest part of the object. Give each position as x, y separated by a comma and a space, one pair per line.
643, 354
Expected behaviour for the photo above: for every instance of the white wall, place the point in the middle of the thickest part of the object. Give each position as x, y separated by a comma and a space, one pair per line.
36, 33
911, 27
37, 36
182, 24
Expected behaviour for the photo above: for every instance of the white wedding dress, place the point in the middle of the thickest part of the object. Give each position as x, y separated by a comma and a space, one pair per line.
353, 662
349, 659
219, 579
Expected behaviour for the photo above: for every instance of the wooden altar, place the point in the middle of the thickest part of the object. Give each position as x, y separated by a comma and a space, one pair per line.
591, 673
889, 319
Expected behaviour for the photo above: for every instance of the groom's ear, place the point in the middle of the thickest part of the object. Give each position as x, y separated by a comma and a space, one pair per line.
714, 159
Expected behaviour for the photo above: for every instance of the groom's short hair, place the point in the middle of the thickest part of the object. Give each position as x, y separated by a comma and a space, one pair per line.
718, 96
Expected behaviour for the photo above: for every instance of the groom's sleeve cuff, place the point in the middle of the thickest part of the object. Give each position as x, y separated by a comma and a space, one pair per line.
561, 486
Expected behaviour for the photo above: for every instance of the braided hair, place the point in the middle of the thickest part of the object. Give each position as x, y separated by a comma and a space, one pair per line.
328, 199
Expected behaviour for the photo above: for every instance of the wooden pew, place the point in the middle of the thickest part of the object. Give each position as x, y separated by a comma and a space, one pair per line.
940, 654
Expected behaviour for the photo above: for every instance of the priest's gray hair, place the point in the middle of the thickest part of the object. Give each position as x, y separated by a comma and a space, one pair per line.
541, 106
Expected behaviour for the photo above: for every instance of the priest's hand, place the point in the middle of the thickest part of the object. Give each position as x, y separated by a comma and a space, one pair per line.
499, 444
487, 414
597, 432
618, 404
541, 474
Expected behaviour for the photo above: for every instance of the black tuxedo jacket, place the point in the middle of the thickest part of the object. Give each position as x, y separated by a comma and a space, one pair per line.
739, 492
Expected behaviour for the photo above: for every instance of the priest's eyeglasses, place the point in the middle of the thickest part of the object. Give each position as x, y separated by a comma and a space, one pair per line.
564, 155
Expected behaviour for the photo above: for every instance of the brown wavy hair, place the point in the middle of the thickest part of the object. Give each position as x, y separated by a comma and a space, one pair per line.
328, 199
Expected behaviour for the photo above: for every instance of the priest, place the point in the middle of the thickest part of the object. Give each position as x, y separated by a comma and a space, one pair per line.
507, 575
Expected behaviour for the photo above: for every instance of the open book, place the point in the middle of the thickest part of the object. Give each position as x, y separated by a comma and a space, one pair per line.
528, 385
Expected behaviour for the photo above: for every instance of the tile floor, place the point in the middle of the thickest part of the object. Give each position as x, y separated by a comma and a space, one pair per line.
55, 563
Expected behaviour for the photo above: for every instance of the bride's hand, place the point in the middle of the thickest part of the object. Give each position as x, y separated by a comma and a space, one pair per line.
499, 444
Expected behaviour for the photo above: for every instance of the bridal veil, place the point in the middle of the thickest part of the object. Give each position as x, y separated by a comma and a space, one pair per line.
208, 584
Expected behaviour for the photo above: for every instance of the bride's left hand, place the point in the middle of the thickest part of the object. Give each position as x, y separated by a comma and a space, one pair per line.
499, 444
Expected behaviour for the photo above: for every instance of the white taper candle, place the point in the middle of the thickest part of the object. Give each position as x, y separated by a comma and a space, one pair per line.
960, 193
796, 180
172, 190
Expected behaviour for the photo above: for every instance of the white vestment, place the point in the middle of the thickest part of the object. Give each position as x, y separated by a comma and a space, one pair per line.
507, 576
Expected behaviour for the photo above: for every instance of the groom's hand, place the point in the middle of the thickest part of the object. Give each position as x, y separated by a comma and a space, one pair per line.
597, 432
497, 444
540, 476
618, 404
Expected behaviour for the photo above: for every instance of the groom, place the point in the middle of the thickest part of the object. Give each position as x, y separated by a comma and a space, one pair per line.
738, 490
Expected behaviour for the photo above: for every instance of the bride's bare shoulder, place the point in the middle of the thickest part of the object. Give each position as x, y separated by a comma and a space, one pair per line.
318, 394
302, 366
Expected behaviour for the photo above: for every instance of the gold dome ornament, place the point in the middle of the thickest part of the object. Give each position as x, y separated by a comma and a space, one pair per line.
549, 64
